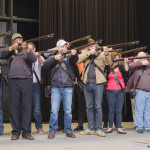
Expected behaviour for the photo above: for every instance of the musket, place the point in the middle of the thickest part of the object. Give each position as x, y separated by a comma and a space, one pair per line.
131, 58
39, 38
133, 50
50, 51
5, 33
68, 51
80, 39
123, 44
83, 46
3, 46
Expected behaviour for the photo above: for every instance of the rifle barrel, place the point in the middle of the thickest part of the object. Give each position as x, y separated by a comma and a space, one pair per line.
5, 33
133, 50
131, 58
123, 44
80, 39
40, 38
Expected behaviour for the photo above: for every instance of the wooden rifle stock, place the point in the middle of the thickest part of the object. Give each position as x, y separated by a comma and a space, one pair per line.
133, 50
6, 33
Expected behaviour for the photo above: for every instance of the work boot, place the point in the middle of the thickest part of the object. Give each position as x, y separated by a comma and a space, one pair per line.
87, 132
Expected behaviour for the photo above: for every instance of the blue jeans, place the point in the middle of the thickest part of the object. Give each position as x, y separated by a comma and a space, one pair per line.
37, 105
115, 99
93, 96
1, 111
58, 94
142, 110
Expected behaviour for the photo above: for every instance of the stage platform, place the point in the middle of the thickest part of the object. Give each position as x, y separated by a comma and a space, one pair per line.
114, 141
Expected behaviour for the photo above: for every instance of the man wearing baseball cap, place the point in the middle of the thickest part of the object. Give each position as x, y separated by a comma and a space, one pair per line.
20, 60
61, 66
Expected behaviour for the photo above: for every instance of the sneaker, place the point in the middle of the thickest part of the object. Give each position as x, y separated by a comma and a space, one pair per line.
87, 132
100, 133
78, 128
140, 131
40, 131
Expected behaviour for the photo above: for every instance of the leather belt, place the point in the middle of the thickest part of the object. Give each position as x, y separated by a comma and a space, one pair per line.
145, 90
89, 82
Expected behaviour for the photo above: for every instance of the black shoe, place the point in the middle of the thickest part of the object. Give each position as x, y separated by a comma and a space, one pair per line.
119, 132
1, 132
108, 131
59, 129
78, 128
140, 131
105, 126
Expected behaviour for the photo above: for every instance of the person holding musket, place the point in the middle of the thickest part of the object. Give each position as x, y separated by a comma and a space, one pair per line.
93, 79
20, 59
36, 67
61, 66
140, 83
115, 91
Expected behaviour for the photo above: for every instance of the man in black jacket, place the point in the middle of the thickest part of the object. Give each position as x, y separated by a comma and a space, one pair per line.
62, 87
20, 60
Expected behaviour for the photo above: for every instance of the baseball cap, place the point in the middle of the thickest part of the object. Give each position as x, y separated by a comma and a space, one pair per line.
16, 35
61, 43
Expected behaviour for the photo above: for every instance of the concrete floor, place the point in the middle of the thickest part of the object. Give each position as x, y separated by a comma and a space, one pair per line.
114, 141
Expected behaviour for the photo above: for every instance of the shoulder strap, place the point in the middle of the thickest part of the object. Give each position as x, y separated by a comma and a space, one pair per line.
96, 66
141, 73
91, 61
65, 69
117, 80
55, 71
37, 78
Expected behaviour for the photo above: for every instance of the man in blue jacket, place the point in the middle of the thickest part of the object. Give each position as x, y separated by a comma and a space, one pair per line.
61, 66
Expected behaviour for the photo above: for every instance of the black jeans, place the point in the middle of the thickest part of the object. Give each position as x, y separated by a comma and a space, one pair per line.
20, 105
105, 110
81, 109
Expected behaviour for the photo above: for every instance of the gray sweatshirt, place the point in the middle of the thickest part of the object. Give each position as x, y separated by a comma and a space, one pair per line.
19, 65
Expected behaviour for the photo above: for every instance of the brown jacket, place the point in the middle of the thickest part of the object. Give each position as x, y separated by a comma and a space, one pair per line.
101, 60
